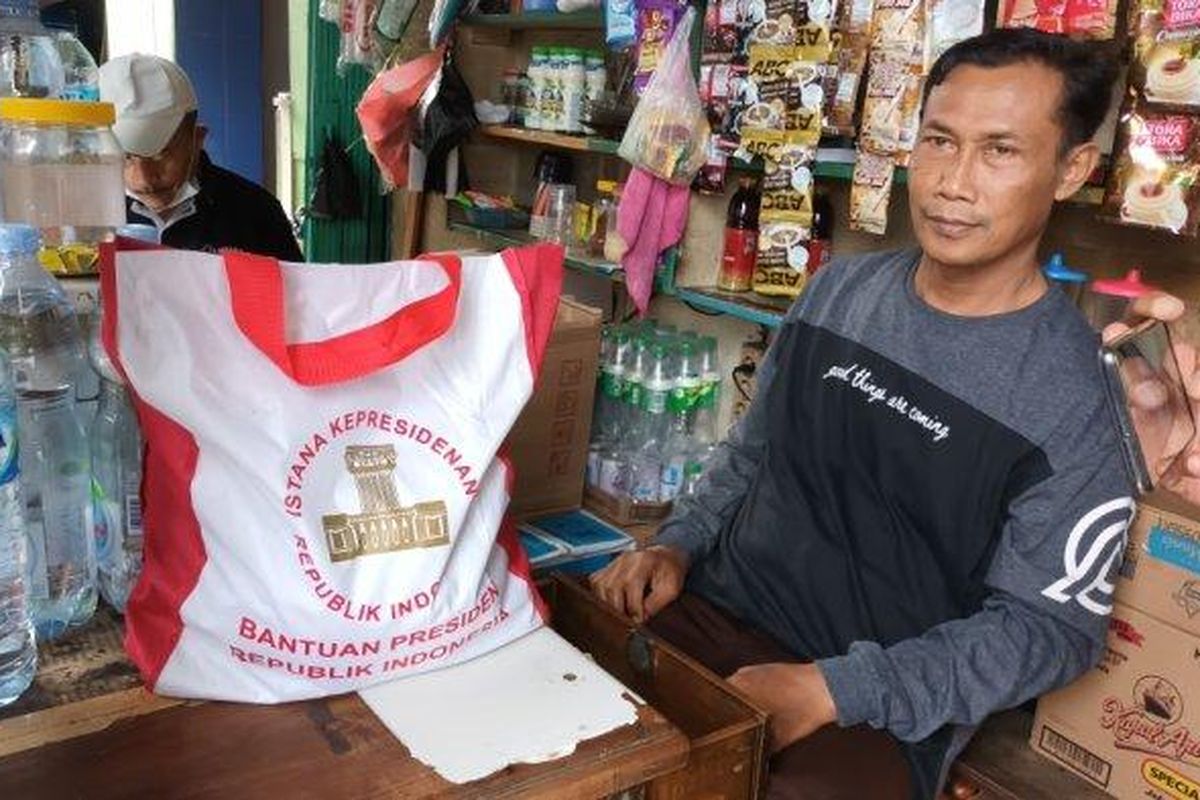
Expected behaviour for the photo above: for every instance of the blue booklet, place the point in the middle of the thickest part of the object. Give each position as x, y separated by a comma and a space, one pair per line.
581, 533
541, 551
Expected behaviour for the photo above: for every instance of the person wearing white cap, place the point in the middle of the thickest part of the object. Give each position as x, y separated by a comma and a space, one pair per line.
169, 179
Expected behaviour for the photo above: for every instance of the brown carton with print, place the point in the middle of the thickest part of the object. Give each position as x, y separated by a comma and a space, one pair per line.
549, 442
1131, 726
1160, 573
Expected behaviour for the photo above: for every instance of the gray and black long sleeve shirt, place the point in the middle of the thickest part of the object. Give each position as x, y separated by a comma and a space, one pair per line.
928, 506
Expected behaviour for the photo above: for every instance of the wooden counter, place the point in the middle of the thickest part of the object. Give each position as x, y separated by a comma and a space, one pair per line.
82, 731
87, 728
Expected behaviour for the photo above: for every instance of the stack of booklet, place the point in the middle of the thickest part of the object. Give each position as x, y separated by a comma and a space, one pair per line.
576, 542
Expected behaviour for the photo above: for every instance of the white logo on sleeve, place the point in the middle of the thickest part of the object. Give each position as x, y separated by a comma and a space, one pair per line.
1102, 532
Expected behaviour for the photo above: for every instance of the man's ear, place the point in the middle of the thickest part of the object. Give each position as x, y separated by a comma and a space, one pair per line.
1075, 169
201, 136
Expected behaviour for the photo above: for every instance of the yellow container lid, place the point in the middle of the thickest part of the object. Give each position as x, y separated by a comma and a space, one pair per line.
57, 112
606, 186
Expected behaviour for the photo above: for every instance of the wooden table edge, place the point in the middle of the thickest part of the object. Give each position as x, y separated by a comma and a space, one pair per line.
59, 723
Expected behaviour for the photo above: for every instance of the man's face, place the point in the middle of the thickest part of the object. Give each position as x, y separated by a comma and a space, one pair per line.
155, 180
987, 166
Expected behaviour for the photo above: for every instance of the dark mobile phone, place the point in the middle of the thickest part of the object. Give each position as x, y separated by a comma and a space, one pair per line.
1149, 401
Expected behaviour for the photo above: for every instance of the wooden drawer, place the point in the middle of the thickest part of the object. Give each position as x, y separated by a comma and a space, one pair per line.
727, 734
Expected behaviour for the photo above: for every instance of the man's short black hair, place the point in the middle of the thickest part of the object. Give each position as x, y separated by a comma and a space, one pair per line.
1088, 72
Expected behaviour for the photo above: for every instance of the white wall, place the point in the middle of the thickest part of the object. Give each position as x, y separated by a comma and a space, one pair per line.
141, 26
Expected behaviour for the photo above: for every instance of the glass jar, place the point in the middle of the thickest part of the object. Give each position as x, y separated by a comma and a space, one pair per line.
61, 172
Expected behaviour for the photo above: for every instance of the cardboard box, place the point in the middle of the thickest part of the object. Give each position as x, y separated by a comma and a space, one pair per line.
1160, 574
1131, 726
549, 443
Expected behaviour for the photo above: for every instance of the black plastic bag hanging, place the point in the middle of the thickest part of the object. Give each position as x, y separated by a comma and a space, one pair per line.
449, 120
336, 195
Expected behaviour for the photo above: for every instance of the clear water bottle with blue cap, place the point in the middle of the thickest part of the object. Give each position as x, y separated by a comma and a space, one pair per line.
81, 76
18, 652
40, 333
1071, 281
116, 446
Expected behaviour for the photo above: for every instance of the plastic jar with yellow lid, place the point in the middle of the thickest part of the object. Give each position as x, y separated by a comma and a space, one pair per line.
61, 172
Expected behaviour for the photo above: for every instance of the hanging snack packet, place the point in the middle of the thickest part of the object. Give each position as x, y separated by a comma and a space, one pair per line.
780, 268
1093, 19
721, 34
871, 191
898, 27
771, 91
1089, 19
620, 24
891, 110
656, 21
1167, 49
950, 22
1155, 180
854, 17
358, 34
787, 186
773, 22
784, 96
842, 106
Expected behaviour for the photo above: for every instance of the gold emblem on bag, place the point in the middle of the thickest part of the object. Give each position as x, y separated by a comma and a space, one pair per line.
384, 526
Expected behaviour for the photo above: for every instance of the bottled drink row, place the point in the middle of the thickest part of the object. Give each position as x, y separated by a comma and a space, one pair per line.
70, 516
655, 425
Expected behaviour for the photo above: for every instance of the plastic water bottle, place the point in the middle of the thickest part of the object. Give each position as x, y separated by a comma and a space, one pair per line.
705, 406
40, 332
18, 653
649, 436
607, 425
679, 446
81, 77
614, 458
116, 494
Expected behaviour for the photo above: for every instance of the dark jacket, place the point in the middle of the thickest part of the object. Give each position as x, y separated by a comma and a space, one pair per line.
232, 212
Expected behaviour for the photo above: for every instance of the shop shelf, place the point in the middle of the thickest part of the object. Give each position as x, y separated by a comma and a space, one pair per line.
749, 306
560, 141
832, 163
591, 19
575, 260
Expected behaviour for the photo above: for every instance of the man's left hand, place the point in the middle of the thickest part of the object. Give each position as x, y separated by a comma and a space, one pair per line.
1168, 309
795, 695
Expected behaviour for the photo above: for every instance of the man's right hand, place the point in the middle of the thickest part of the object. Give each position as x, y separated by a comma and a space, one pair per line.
642, 583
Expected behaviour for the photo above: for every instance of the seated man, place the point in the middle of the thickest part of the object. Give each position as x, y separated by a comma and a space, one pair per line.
169, 179
916, 523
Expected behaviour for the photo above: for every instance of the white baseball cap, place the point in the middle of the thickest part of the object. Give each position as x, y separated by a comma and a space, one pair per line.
151, 95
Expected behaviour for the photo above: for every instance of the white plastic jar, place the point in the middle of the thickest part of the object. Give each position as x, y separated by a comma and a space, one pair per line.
61, 172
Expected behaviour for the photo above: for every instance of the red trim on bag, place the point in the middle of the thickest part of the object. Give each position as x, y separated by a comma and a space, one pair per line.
173, 550
537, 272
256, 290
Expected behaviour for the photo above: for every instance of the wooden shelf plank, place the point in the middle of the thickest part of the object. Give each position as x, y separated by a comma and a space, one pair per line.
590, 19
561, 141
747, 306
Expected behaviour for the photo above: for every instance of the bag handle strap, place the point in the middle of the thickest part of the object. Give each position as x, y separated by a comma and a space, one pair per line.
256, 289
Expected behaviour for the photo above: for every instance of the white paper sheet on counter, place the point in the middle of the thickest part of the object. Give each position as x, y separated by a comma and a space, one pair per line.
531, 701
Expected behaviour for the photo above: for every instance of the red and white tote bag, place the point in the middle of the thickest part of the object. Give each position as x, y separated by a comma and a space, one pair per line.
324, 497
